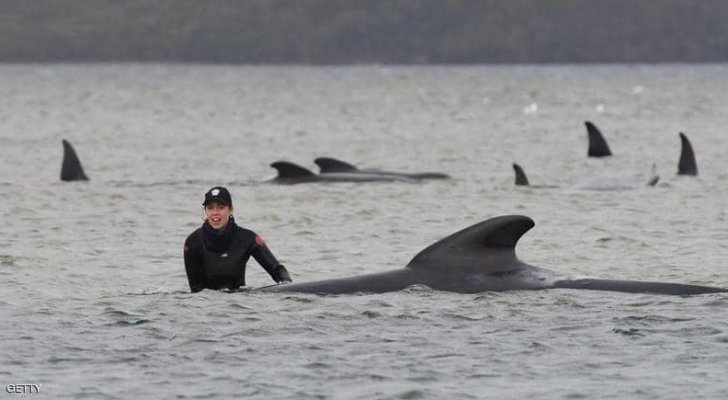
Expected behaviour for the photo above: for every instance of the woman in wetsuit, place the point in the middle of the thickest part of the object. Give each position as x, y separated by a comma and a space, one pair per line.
216, 253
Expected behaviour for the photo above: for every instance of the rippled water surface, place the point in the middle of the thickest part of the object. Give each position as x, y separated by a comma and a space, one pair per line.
95, 303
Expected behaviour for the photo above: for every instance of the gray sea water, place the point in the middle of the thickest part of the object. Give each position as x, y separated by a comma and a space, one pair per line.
94, 300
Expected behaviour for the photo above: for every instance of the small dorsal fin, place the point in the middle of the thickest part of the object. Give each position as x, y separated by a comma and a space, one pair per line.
598, 146
521, 179
71, 169
289, 170
687, 164
329, 165
654, 176
488, 246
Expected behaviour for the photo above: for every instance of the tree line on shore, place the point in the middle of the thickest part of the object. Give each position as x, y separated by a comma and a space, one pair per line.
372, 31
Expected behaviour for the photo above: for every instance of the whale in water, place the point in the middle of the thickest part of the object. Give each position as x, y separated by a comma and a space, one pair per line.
71, 169
592, 183
598, 146
481, 258
687, 164
329, 165
290, 173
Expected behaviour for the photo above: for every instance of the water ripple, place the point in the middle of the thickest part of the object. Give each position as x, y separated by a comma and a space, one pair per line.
95, 294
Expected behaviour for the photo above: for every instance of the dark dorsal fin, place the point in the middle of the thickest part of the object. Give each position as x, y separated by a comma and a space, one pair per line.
654, 176
598, 146
289, 170
71, 169
521, 179
488, 246
328, 165
687, 164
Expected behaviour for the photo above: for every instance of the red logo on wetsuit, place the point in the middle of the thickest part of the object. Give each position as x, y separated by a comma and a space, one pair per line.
259, 241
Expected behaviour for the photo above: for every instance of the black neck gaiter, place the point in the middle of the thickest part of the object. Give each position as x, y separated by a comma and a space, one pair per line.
219, 241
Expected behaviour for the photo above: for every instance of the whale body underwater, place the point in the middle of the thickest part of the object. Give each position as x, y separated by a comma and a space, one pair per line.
481, 258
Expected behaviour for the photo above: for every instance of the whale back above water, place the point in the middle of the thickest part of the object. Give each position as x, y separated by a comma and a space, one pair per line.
290, 173
329, 165
477, 259
522, 179
71, 169
465, 248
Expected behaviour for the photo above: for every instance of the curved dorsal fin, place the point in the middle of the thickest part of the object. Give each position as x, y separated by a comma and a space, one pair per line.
488, 246
328, 165
521, 179
289, 170
687, 164
598, 146
71, 169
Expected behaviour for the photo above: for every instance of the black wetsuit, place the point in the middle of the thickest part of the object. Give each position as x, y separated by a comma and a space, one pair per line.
216, 260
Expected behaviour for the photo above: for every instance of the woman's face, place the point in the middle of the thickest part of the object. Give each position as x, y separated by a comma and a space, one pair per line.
218, 214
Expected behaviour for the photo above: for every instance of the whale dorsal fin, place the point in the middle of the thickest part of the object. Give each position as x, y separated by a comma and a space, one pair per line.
488, 246
687, 164
654, 176
521, 179
598, 146
289, 170
71, 169
328, 165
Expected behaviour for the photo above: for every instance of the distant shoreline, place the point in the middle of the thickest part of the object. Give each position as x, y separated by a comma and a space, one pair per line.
386, 32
